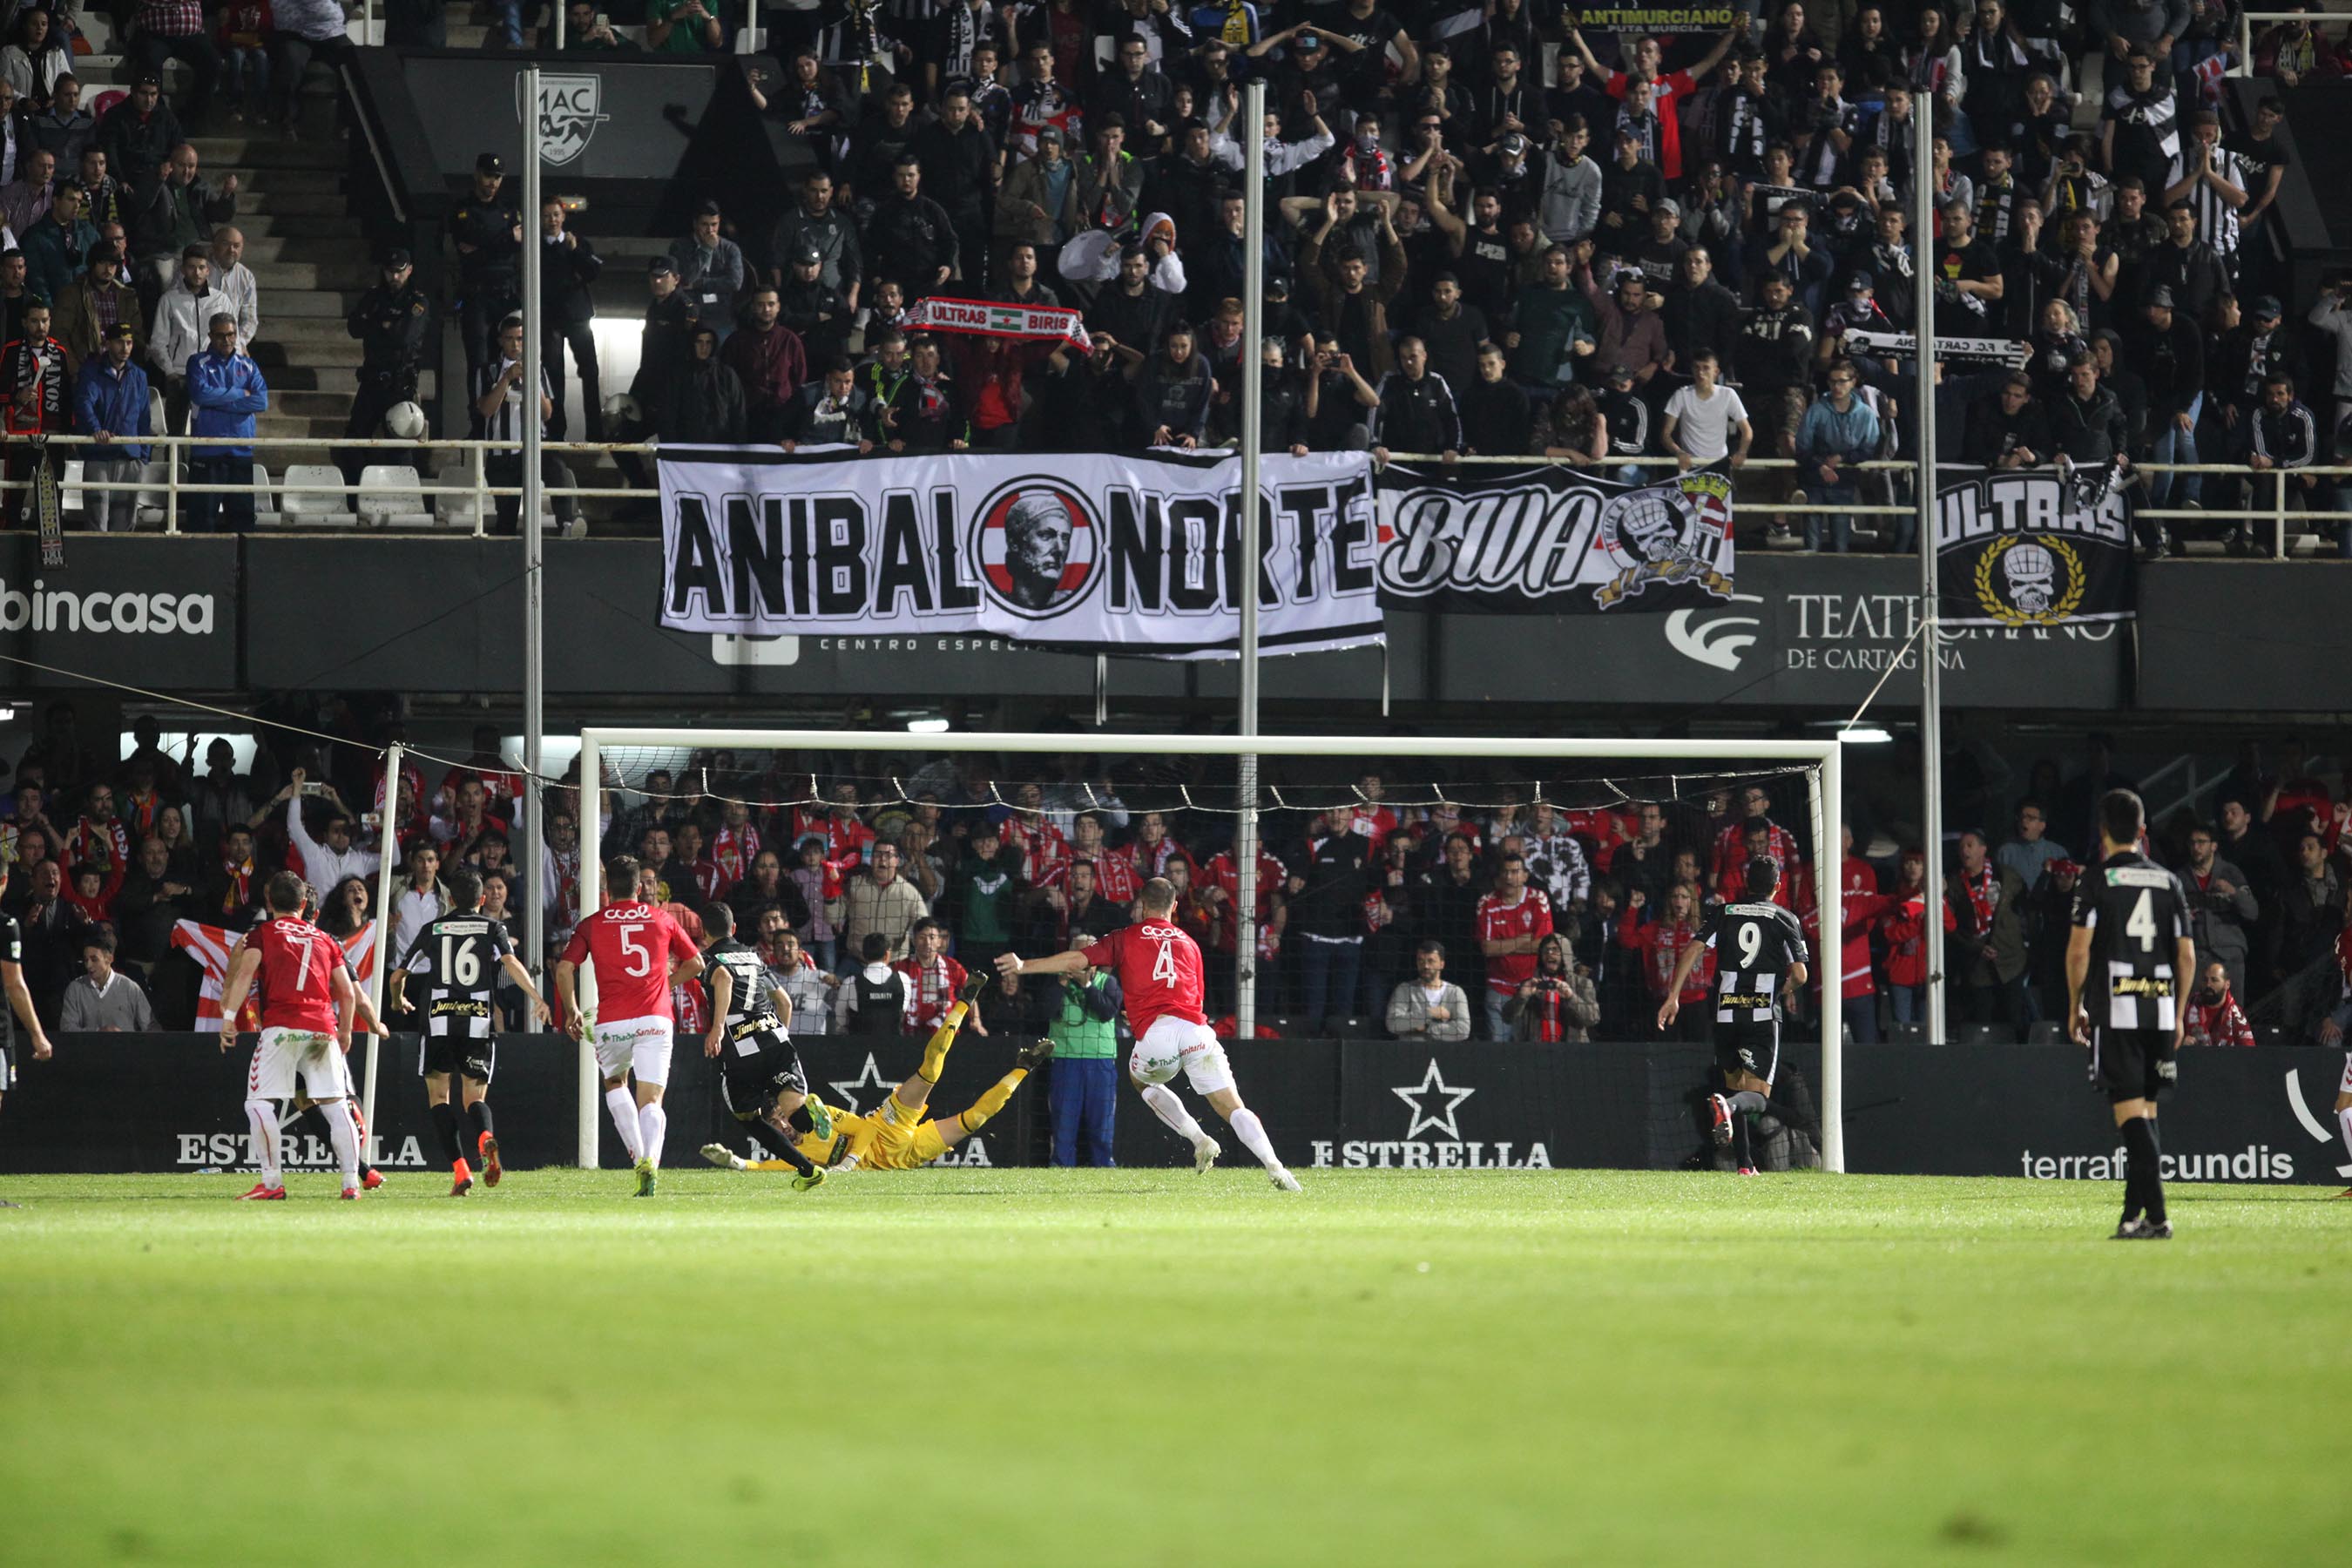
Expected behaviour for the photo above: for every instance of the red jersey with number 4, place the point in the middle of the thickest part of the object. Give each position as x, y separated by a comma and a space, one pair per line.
298, 962
1159, 967
633, 945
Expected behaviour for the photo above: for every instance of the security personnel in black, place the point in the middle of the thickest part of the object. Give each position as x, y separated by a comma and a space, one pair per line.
391, 322
568, 266
806, 305
877, 1005
489, 232
664, 351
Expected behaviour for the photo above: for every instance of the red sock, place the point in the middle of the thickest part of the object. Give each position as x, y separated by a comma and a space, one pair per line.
460, 1169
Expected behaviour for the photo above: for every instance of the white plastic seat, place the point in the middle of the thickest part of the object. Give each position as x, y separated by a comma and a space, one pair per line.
392, 495
69, 496
154, 479
264, 496
313, 510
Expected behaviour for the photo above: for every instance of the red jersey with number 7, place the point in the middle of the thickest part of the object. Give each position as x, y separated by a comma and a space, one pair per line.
1159, 967
298, 962
634, 945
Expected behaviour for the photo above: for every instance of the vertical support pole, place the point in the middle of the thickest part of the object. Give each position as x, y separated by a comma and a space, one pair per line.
2278, 515
481, 492
1931, 684
534, 662
1102, 689
1246, 837
172, 456
592, 878
387, 860
1829, 892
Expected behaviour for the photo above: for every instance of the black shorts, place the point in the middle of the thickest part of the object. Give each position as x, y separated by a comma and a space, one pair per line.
1753, 1048
758, 1069
2123, 1062
476, 1060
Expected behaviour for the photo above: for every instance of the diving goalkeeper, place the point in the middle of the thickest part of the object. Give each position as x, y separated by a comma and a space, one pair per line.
900, 1134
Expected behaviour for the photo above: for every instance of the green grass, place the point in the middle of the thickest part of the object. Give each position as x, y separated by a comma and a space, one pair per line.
1144, 1367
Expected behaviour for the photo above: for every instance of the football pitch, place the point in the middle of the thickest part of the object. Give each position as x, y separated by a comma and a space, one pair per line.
1148, 1367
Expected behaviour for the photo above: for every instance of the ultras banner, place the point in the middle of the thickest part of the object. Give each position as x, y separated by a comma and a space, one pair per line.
2034, 547
1544, 540
1092, 553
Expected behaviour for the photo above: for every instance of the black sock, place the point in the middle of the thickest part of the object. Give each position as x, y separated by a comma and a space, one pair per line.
779, 1145
1743, 1140
445, 1126
2151, 1191
2139, 1168
477, 1116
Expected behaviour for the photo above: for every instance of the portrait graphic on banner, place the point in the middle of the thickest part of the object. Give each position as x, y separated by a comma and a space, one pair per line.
1086, 553
2035, 548
1542, 539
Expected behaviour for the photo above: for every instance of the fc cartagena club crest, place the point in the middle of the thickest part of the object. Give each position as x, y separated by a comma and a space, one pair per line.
1037, 545
1669, 534
569, 114
2030, 581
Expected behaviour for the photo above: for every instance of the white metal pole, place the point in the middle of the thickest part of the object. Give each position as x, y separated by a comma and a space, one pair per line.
1246, 837
534, 663
1931, 696
592, 877
1829, 890
560, 22
388, 860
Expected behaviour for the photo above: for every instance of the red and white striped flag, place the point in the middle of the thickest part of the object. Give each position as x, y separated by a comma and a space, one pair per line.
211, 946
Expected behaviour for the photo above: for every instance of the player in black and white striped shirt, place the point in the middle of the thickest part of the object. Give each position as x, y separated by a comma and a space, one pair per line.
1761, 954
2127, 963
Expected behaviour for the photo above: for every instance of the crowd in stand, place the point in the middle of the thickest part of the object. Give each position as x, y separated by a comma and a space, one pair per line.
1509, 920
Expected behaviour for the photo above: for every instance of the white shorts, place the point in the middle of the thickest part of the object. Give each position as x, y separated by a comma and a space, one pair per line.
636, 1044
284, 1054
2345, 1087
1171, 1043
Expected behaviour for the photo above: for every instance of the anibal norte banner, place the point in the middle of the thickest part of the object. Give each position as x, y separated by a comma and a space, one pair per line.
2034, 547
1544, 540
1124, 555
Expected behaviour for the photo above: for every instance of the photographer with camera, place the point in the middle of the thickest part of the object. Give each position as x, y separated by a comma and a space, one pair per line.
1558, 1003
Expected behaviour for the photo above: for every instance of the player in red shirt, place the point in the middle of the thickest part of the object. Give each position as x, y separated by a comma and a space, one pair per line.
306, 998
639, 953
1512, 921
1159, 967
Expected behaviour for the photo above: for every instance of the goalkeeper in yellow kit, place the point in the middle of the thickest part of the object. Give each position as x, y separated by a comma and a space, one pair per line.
900, 1135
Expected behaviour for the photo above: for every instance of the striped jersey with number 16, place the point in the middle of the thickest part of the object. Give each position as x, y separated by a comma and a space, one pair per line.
1755, 946
2136, 914
1159, 967
457, 958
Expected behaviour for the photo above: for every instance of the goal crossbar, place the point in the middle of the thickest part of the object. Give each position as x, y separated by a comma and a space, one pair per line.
1823, 758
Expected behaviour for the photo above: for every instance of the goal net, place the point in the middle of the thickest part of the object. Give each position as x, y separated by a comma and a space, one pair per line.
1018, 841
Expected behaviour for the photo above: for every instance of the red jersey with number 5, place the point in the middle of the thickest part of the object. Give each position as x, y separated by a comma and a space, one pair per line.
634, 945
1159, 967
298, 962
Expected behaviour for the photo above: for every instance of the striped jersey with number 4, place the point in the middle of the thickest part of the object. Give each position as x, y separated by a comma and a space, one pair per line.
2136, 914
1159, 967
297, 966
457, 957
633, 945
1755, 945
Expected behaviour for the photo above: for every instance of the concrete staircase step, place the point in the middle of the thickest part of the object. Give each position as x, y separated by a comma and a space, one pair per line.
308, 304
350, 277
339, 380
239, 152
309, 404
314, 351
298, 226
262, 246
257, 199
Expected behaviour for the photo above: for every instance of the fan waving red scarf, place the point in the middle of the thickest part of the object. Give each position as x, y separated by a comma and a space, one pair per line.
1027, 323
1984, 895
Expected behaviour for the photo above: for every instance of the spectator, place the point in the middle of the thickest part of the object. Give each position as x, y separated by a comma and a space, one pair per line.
911, 237
1550, 326
1658, 937
1417, 412
499, 413
55, 247
676, 26
1429, 1006
225, 390
2283, 438
1703, 418
103, 1001
300, 32
180, 209
1558, 1004
1174, 394
2087, 427
242, 34
2005, 427
1512, 921
765, 885
25, 200
1839, 434
153, 899
1082, 1094
111, 403
2311, 910
934, 981
1989, 969
792, 972
2171, 358
568, 270
1496, 419
183, 327
710, 270
809, 307
1632, 333
2029, 853
705, 404
233, 281
1348, 302
2214, 1016
2221, 906
1327, 899
880, 903
53, 931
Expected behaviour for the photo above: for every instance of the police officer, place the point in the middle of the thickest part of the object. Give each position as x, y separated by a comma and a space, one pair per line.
391, 322
663, 352
489, 232
812, 309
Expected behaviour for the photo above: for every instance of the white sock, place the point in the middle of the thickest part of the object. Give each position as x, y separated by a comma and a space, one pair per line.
1170, 1111
2343, 1120
653, 1123
624, 1107
346, 1135
263, 1116
1252, 1132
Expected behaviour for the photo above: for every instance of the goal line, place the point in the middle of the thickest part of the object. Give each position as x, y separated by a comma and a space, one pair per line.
1821, 762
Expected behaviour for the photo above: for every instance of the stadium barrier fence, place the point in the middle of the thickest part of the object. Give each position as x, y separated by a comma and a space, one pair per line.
162, 1103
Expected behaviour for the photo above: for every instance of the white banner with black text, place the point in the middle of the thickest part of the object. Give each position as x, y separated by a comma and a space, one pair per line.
1077, 552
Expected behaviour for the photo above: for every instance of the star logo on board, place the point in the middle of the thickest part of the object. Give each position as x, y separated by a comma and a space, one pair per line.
1419, 1096
846, 1088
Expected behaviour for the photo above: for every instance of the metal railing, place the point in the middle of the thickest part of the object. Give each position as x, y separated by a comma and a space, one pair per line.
171, 486
2245, 65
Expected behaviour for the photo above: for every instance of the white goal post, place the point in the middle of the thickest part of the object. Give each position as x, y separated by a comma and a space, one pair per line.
1826, 791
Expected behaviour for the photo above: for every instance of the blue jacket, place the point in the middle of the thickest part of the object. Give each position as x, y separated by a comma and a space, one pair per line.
223, 395
102, 401
1825, 433
53, 255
